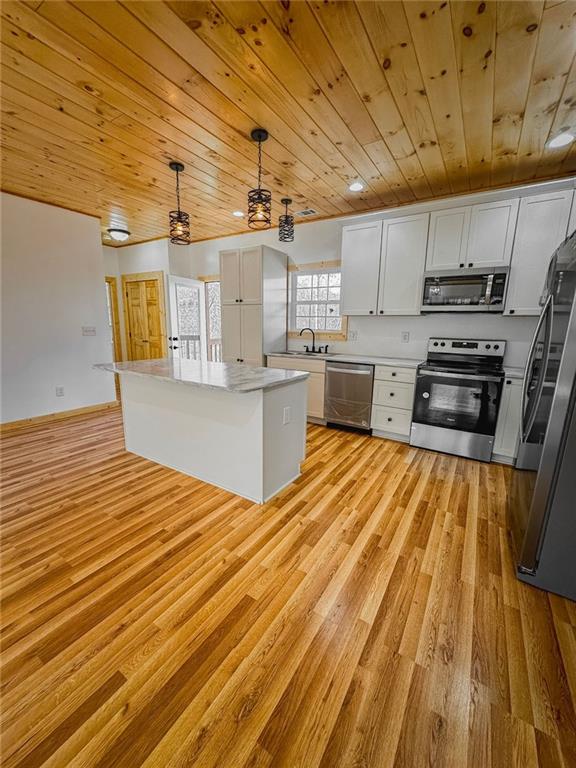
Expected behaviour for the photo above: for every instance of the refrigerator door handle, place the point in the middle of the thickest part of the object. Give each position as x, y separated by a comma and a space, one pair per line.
529, 415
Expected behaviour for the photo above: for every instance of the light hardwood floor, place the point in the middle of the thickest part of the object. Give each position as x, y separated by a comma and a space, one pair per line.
368, 616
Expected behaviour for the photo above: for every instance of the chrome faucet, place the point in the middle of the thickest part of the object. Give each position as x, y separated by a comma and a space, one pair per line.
313, 339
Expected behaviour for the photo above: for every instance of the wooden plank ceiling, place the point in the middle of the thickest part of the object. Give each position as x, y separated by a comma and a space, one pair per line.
417, 99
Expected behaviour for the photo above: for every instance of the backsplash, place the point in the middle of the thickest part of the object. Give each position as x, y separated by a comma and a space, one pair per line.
382, 335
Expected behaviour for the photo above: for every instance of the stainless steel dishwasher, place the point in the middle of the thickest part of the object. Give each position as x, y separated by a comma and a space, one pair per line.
348, 394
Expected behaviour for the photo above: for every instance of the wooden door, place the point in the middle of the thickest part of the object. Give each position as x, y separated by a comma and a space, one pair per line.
230, 277
402, 265
114, 324
231, 333
144, 315
492, 228
360, 268
448, 239
542, 226
251, 275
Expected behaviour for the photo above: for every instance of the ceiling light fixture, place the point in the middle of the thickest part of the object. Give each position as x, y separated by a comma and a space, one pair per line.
179, 220
259, 200
356, 186
238, 214
286, 223
118, 234
562, 140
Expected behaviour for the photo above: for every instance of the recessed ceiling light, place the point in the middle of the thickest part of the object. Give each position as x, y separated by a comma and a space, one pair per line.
356, 186
118, 234
238, 214
562, 140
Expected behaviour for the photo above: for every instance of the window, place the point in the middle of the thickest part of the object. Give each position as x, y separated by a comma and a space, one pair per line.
315, 301
214, 321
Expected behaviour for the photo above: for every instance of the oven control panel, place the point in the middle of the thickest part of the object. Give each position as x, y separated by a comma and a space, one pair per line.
490, 347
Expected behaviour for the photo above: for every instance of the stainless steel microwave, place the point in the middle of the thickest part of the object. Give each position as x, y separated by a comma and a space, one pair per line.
465, 290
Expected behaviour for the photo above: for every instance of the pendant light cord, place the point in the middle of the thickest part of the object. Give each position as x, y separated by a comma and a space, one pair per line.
178, 189
259, 164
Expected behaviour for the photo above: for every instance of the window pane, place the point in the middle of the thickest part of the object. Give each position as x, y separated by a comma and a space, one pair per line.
304, 294
213, 301
323, 279
302, 310
334, 293
302, 322
304, 281
335, 278
320, 323
333, 323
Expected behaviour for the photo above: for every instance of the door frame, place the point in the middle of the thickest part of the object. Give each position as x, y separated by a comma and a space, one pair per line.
116, 334
136, 277
173, 280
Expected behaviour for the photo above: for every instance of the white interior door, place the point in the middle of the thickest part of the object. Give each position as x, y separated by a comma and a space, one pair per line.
187, 336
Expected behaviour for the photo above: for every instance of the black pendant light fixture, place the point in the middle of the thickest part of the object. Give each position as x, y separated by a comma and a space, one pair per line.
286, 223
259, 200
179, 220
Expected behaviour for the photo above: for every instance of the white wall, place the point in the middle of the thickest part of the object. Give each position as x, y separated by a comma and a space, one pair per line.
145, 257
112, 269
52, 285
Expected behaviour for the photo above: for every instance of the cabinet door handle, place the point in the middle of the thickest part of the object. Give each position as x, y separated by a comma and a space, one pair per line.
370, 311
240, 300
461, 265
391, 394
470, 264
512, 311
393, 373
381, 311
389, 418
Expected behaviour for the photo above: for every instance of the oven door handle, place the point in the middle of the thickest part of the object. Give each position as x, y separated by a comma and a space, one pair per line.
473, 376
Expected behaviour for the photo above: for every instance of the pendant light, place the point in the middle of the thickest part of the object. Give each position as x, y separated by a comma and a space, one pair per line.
118, 233
259, 200
179, 220
286, 223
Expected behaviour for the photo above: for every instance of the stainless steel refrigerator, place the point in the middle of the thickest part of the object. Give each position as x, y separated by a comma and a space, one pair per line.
542, 501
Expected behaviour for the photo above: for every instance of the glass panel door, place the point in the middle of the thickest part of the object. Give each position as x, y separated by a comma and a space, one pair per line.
187, 339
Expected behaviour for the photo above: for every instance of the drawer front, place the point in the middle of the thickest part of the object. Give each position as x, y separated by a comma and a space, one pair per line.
393, 395
392, 373
297, 364
391, 420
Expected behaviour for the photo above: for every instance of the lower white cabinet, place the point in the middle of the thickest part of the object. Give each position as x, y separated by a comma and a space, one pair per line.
509, 416
242, 334
392, 400
316, 380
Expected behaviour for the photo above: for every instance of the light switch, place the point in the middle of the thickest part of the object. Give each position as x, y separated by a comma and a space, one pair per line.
88, 330
287, 415
59, 391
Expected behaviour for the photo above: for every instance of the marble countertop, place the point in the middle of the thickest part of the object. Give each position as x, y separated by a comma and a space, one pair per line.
232, 377
344, 358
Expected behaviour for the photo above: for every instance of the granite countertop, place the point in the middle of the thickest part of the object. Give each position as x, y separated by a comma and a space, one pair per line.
232, 377
344, 358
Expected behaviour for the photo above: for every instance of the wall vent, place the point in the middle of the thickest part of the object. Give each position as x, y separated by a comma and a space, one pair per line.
306, 212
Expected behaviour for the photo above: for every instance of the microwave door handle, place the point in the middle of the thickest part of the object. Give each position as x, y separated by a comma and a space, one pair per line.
531, 417
526, 412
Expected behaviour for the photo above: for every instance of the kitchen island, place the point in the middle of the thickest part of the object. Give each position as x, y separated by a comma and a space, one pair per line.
240, 428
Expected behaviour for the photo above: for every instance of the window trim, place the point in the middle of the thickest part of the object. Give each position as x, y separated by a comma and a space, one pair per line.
309, 268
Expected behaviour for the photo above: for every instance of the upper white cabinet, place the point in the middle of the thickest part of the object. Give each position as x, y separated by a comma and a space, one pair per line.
448, 240
472, 236
542, 225
402, 265
241, 276
491, 236
360, 268
572, 222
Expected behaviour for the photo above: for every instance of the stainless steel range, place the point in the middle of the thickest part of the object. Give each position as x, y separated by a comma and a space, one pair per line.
457, 397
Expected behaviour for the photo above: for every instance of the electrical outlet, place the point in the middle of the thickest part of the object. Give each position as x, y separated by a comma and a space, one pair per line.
59, 391
405, 337
88, 330
352, 335
287, 417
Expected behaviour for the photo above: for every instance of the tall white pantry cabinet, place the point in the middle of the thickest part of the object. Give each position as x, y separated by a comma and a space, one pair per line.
254, 299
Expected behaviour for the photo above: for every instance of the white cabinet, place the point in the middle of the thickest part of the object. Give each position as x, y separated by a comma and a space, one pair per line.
509, 415
251, 275
316, 380
542, 225
254, 298
448, 240
572, 222
242, 334
241, 276
402, 265
392, 401
230, 276
360, 268
492, 227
